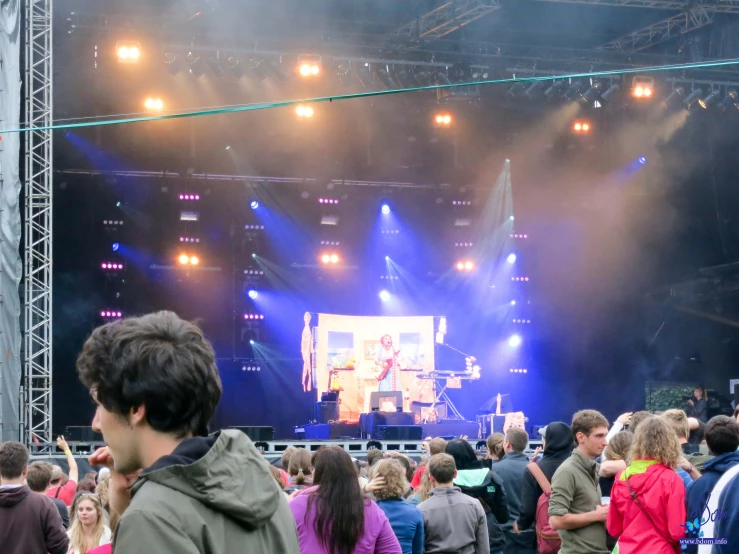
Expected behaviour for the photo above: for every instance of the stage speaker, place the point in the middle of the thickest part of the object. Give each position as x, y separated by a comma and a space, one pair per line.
327, 411
398, 433
257, 433
81, 434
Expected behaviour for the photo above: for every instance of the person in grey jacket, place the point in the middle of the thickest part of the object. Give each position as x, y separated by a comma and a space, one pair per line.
156, 386
511, 469
453, 521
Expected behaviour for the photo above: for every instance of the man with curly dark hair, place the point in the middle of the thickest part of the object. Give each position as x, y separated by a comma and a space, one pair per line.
156, 386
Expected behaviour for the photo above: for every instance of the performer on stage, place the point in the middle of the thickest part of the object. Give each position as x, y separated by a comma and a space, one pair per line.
306, 349
386, 359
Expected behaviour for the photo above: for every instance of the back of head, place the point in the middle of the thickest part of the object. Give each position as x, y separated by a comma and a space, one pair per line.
437, 446
14, 458
300, 466
722, 435
585, 421
373, 456
463, 454
678, 422
637, 418
56, 475
518, 439
655, 440
442, 468
285, 460
86, 485
338, 501
38, 476
558, 440
159, 361
495, 444
395, 479
619, 446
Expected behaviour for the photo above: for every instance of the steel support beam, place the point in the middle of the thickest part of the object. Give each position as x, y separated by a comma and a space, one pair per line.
446, 19
37, 248
718, 6
662, 31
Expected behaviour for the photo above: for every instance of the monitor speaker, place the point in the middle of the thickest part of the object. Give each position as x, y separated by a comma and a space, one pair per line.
327, 411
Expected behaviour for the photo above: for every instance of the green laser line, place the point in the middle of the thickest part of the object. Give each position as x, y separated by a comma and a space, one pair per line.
284, 103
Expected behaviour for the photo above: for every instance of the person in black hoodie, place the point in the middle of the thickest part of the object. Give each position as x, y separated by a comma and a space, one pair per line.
558, 445
475, 480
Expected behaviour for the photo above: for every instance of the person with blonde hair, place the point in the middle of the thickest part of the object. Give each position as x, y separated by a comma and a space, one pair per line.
88, 529
405, 519
647, 510
423, 491
679, 422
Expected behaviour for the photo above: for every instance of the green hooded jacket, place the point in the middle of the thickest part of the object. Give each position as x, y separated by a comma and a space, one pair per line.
212, 495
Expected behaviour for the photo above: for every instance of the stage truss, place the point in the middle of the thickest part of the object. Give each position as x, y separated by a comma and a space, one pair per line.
36, 425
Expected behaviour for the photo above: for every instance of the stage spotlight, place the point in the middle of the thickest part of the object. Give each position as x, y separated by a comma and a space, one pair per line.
235, 66
325, 258
516, 89
513, 302
531, 92
128, 52
384, 295
184, 259
111, 313
642, 88
195, 64
254, 204
154, 104
309, 65
606, 96
469, 266
708, 100
387, 258
443, 119
555, 89
642, 160
511, 259
385, 209
729, 101
581, 127
386, 79
511, 218
303, 111
692, 98
194, 260
253, 294
515, 341
593, 93
574, 92
116, 246
334, 259
674, 97
442, 79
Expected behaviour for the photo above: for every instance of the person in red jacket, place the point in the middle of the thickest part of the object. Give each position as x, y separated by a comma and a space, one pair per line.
647, 512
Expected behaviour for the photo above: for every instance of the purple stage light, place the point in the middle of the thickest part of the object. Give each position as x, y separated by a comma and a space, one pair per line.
515, 341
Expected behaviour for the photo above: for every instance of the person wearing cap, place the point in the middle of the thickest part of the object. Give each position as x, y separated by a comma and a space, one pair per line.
64, 492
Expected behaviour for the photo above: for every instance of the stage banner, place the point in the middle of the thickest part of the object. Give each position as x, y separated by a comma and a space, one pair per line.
347, 352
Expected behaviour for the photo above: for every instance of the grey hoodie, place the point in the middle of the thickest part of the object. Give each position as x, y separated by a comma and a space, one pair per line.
212, 495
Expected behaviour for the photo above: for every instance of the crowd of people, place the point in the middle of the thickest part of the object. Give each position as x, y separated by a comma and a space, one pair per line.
644, 484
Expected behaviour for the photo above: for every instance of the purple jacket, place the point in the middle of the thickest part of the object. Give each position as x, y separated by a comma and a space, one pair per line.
378, 536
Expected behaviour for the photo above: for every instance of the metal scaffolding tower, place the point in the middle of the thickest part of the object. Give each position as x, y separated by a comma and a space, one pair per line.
446, 19
37, 370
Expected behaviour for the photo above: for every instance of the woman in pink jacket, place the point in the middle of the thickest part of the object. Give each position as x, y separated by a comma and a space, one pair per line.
333, 517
